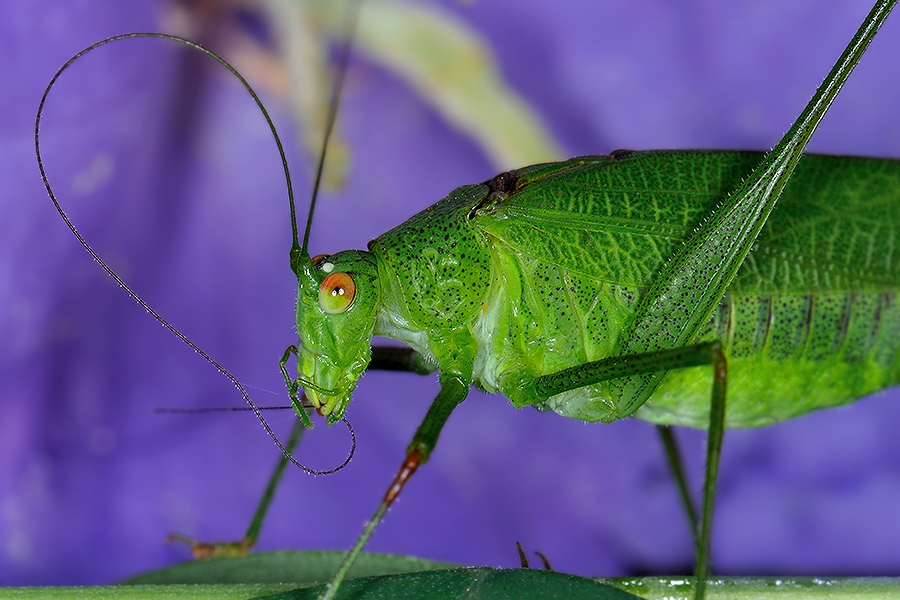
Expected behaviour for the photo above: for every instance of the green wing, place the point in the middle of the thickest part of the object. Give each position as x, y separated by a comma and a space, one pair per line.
836, 229
618, 219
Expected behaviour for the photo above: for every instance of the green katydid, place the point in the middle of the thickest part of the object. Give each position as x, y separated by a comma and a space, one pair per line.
577, 286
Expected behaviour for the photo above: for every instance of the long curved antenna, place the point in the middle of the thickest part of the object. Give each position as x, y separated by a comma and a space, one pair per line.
349, 27
287, 176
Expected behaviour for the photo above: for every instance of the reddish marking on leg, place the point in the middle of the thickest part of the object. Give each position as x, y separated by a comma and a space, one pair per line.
412, 462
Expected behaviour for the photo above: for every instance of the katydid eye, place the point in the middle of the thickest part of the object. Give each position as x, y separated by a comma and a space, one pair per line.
336, 293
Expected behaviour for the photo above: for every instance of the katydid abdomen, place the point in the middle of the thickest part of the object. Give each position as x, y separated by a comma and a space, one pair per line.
545, 273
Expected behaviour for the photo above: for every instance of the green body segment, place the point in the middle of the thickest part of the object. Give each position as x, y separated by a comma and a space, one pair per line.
540, 270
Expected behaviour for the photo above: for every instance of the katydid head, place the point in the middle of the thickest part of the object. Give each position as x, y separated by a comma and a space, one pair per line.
338, 296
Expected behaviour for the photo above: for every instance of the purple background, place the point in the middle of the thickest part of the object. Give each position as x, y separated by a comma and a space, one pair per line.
174, 178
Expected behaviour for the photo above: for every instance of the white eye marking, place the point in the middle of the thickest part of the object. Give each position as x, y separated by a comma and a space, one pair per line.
328, 267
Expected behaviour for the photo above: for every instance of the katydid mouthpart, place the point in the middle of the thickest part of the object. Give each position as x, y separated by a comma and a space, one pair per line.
445, 445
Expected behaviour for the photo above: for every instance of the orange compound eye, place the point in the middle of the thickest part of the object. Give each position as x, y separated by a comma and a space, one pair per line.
336, 293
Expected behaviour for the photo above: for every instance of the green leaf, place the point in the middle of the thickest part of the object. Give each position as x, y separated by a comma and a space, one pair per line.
144, 592
764, 588
493, 584
307, 568
474, 583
